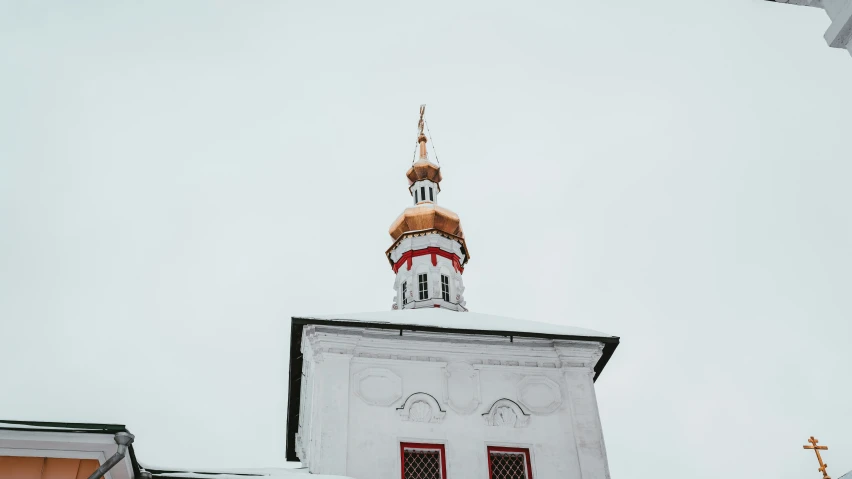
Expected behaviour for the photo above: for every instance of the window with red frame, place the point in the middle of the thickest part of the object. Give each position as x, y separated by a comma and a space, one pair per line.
509, 463
423, 461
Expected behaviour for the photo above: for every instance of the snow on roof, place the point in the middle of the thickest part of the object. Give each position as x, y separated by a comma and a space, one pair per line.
271, 473
60, 426
292, 470
444, 318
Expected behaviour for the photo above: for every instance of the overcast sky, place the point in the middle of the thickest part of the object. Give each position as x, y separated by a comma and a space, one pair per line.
177, 179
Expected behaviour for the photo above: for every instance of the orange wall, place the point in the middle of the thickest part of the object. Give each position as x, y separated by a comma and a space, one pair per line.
14, 467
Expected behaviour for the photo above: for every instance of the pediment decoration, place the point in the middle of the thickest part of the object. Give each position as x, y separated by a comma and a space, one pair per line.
539, 394
421, 407
461, 387
506, 413
377, 386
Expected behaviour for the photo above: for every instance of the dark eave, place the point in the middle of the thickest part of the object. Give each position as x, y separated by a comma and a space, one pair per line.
295, 375
177, 474
63, 426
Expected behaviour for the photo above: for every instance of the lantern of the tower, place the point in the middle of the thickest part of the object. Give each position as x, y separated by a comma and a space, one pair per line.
428, 253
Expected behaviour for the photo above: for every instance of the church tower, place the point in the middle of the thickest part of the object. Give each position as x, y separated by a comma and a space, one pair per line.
424, 392
428, 253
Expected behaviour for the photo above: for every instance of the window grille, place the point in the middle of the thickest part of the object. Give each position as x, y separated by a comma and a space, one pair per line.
404, 293
423, 461
509, 463
445, 287
424, 286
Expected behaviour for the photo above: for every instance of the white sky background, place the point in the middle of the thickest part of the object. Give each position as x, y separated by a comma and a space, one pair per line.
177, 179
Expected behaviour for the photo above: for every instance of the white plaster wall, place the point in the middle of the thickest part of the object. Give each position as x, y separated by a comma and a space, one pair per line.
550, 382
423, 264
377, 431
426, 184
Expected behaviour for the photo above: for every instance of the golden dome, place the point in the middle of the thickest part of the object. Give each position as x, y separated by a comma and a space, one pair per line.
423, 170
426, 217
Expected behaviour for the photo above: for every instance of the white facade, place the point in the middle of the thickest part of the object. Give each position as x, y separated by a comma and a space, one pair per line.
444, 287
365, 391
840, 13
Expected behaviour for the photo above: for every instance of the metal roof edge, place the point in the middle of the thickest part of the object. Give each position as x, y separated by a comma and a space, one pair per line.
608, 350
441, 329
66, 426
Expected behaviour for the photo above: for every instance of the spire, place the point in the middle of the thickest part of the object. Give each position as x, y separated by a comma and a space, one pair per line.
421, 137
423, 169
429, 252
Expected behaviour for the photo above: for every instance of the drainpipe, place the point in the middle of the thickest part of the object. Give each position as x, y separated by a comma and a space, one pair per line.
123, 439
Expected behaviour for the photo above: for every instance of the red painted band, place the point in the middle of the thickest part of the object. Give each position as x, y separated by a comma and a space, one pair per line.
434, 252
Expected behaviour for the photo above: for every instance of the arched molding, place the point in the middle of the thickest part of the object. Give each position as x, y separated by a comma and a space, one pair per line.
420, 269
421, 407
506, 413
401, 279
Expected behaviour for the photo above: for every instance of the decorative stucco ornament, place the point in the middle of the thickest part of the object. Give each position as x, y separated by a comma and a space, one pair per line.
506, 413
539, 394
461, 387
421, 407
377, 386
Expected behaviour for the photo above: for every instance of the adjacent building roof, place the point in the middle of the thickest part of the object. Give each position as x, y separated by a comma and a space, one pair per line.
57, 466
429, 320
7, 424
295, 471
53, 449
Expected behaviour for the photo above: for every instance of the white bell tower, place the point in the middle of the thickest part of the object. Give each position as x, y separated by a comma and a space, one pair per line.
429, 251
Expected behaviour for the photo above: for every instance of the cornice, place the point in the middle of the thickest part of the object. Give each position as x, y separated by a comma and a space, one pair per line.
439, 349
578, 354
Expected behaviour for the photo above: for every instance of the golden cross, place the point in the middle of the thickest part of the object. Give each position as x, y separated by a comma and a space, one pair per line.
817, 449
420, 123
